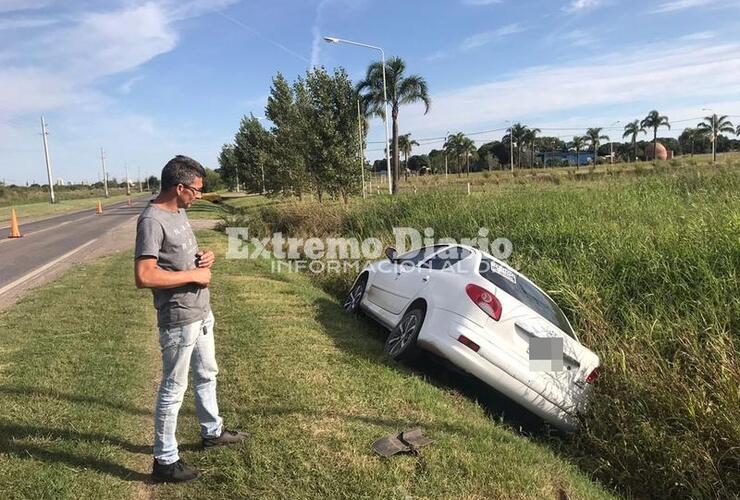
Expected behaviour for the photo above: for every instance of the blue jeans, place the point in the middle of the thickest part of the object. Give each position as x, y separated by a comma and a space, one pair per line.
183, 348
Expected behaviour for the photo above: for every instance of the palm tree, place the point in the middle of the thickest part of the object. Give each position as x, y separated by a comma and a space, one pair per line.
655, 120
632, 130
453, 146
530, 134
593, 135
406, 144
517, 133
712, 126
468, 149
578, 143
401, 90
737, 132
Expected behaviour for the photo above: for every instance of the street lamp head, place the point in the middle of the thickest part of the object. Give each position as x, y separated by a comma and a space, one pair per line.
331, 39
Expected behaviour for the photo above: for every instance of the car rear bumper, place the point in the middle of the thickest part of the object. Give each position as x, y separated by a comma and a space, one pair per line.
444, 342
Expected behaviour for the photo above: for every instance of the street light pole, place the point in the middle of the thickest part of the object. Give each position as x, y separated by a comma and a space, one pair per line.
362, 155
44, 134
713, 136
611, 145
511, 144
330, 39
445, 146
105, 173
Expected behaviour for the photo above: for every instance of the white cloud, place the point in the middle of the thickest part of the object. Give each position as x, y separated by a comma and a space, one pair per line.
128, 85
479, 3
647, 78
20, 5
25, 23
579, 38
481, 39
436, 56
676, 5
700, 35
318, 37
61, 67
582, 5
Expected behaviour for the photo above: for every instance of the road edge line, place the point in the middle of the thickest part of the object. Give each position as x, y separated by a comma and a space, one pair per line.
43, 268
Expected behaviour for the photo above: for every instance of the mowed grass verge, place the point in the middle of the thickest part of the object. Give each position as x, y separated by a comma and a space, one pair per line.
77, 365
78, 369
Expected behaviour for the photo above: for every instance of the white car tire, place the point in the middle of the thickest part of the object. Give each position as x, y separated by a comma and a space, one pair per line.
401, 342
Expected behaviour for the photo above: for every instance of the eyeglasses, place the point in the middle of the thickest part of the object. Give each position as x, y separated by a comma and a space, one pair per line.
195, 189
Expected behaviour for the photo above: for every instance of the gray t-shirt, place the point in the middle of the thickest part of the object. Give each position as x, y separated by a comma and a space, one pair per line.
168, 237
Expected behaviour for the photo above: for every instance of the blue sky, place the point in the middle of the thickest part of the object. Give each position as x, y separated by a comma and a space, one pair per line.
150, 79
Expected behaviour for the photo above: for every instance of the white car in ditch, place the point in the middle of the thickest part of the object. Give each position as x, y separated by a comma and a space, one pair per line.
487, 319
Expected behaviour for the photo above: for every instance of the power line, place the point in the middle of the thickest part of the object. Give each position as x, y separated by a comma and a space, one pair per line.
431, 140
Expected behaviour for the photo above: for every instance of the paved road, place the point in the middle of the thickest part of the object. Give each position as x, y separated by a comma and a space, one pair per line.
48, 241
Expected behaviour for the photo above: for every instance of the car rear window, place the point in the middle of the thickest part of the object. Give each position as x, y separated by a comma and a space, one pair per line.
525, 292
415, 256
447, 258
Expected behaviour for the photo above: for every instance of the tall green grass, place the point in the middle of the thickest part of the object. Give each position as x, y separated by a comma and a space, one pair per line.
646, 268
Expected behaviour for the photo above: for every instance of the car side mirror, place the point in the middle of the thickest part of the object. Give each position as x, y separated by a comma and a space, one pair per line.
391, 253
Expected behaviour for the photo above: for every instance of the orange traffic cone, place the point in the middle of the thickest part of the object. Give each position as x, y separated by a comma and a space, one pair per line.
99, 209
14, 230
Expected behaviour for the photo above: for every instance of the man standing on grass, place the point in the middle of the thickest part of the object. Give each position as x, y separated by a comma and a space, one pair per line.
168, 261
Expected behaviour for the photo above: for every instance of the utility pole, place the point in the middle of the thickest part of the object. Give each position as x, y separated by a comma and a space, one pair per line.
44, 133
105, 172
237, 178
128, 185
445, 148
139, 175
362, 156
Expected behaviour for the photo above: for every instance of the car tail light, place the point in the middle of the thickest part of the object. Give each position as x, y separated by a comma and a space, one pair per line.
485, 300
593, 376
468, 343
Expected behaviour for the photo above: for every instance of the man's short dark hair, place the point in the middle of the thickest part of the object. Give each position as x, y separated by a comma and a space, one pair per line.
181, 170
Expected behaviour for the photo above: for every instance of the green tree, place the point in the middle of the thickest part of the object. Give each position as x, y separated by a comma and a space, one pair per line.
689, 139
405, 145
252, 145
655, 120
594, 136
529, 137
330, 111
401, 90
469, 152
212, 181
632, 130
286, 163
453, 146
712, 126
227, 166
578, 143
516, 133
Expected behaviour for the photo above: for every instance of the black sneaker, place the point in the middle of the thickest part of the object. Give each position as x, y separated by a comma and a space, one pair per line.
178, 472
227, 437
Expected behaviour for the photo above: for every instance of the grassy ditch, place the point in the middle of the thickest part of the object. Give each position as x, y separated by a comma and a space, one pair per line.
78, 372
646, 267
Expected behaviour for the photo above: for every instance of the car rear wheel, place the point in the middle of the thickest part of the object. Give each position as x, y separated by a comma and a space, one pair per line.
401, 342
352, 302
